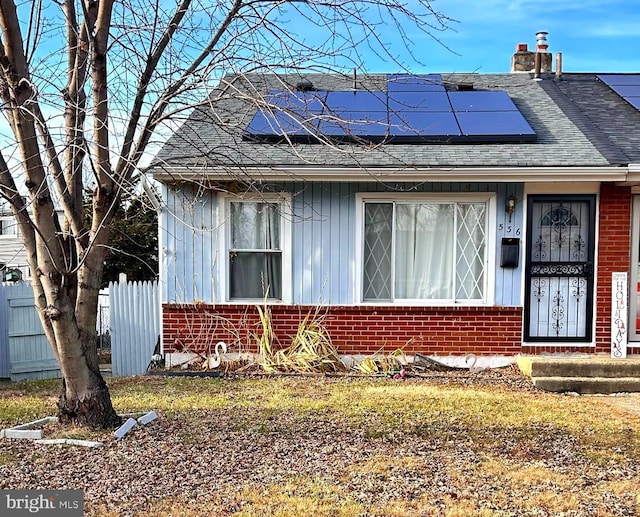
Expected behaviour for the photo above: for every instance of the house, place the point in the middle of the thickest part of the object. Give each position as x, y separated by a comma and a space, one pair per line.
13, 257
14, 266
442, 213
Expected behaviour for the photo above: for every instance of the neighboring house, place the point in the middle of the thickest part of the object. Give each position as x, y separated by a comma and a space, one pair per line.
13, 257
440, 215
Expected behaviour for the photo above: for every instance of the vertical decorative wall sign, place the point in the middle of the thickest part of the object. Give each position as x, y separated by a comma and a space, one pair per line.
619, 315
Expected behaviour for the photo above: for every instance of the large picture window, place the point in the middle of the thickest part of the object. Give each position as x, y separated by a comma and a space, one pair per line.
425, 250
255, 264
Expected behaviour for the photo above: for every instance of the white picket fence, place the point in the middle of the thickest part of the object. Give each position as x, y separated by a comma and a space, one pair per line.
134, 322
134, 325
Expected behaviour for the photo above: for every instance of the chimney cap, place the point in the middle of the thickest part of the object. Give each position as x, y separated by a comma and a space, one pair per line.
522, 47
541, 45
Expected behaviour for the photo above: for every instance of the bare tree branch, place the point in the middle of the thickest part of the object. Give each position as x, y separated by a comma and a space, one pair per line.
88, 85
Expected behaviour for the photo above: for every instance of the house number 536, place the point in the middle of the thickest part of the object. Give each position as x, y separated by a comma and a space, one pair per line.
508, 229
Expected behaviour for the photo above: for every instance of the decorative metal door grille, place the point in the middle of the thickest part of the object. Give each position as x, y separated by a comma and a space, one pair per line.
559, 268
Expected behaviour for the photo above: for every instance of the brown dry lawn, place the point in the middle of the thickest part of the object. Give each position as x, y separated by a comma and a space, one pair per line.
446, 445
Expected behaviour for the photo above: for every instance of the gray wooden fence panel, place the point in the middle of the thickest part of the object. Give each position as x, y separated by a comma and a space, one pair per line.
5, 359
30, 355
135, 326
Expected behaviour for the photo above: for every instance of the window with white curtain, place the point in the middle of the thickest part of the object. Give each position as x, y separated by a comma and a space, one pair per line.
425, 250
255, 263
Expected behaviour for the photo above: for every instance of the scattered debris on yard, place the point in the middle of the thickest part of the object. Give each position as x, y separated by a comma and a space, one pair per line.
29, 431
35, 430
69, 441
470, 362
130, 423
393, 363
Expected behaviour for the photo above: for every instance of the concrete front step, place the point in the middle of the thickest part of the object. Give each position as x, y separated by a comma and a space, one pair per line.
584, 374
588, 385
585, 367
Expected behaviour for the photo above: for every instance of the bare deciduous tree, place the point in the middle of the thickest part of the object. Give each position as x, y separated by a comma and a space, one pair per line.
85, 86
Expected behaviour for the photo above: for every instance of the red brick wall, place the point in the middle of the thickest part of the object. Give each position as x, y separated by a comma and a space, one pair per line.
353, 329
613, 254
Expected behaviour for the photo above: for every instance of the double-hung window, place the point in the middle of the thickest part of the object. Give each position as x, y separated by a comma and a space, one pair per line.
257, 254
425, 249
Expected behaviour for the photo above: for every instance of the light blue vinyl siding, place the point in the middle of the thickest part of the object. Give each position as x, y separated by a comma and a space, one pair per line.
323, 239
509, 281
188, 246
324, 230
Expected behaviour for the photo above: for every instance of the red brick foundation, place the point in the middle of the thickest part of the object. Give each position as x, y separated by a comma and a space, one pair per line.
353, 329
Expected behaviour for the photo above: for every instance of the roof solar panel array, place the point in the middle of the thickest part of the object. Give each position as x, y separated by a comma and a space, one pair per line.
413, 109
625, 85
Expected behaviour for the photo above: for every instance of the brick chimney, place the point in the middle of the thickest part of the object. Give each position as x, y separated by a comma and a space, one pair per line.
524, 60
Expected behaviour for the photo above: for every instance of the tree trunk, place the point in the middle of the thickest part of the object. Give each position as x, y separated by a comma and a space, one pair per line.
84, 399
88, 405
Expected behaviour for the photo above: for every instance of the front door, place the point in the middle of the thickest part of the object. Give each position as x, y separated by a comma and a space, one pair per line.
559, 268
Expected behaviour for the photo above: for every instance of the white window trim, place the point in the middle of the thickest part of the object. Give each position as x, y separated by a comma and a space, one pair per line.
14, 223
465, 197
284, 199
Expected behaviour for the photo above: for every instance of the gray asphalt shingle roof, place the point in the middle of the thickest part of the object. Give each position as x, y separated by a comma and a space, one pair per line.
578, 120
609, 121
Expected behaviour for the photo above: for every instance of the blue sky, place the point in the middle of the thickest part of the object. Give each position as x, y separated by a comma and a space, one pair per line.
593, 36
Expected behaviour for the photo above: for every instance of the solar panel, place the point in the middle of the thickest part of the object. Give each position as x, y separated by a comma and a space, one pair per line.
356, 124
356, 101
634, 101
312, 102
279, 123
415, 124
418, 101
481, 101
620, 79
495, 126
627, 90
414, 83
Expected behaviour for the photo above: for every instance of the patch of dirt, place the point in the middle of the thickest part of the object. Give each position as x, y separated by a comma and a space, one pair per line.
626, 401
